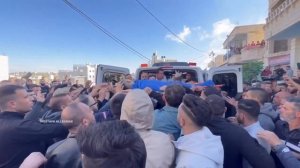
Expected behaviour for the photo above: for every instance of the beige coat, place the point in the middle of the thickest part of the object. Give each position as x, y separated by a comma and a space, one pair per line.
137, 109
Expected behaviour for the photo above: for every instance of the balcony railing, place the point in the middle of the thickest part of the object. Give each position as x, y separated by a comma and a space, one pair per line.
253, 53
276, 12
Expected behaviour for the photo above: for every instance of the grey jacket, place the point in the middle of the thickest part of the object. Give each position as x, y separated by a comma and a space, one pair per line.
267, 116
287, 158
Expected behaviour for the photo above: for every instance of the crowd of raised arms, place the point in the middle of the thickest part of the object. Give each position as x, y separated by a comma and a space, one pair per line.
65, 125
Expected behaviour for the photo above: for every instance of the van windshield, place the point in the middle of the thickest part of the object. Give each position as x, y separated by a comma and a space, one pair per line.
188, 75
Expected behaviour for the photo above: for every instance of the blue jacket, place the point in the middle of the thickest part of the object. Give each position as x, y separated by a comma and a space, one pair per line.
165, 120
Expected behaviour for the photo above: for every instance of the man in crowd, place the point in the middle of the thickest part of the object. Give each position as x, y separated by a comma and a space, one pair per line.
20, 137
160, 75
247, 116
44, 87
267, 115
279, 99
288, 128
137, 109
165, 119
88, 100
198, 147
58, 102
237, 143
267, 86
66, 153
112, 144
285, 155
116, 105
144, 76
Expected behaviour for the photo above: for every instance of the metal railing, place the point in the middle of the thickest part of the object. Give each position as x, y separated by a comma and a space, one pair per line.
281, 8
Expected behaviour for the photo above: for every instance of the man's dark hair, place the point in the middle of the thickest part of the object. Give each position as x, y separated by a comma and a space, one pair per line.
116, 105
7, 93
261, 95
111, 144
210, 90
174, 94
159, 69
216, 104
296, 102
197, 109
251, 107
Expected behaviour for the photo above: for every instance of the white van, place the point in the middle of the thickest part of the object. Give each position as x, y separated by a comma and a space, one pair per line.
229, 76
108, 73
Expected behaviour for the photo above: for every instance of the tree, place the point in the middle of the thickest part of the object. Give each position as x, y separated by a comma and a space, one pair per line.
251, 70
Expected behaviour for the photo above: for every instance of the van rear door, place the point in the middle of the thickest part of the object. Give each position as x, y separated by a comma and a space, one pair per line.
108, 73
229, 76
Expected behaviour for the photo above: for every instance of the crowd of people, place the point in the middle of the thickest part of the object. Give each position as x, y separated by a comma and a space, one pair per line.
65, 125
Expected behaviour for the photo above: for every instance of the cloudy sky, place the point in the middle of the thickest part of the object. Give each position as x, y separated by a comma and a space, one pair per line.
48, 35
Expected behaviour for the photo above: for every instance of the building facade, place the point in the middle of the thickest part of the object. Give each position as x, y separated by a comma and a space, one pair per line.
282, 33
4, 72
217, 61
88, 71
245, 44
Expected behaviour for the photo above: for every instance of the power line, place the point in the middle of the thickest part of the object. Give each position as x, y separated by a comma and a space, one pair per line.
109, 34
168, 29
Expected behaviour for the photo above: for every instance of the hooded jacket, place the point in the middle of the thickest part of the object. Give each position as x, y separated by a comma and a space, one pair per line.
137, 109
267, 116
201, 149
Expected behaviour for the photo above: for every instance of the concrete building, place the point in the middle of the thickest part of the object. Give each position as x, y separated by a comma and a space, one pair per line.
244, 44
217, 61
155, 59
4, 73
88, 71
282, 32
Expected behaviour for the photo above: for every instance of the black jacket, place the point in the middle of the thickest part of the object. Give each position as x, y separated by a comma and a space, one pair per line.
20, 137
293, 137
238, 144
63, 154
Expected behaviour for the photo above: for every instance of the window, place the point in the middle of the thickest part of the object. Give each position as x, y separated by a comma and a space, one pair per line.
113, 77
229, 82
280, 45
170, 72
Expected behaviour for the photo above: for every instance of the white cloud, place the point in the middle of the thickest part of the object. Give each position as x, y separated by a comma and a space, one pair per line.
221, 29
182, 35
214, 39
201, 33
